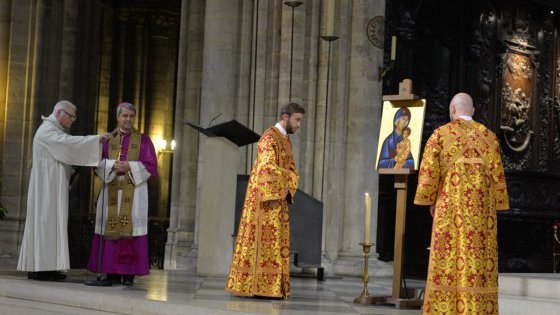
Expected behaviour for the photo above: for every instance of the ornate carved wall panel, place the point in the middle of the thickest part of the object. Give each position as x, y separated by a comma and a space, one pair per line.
518, 83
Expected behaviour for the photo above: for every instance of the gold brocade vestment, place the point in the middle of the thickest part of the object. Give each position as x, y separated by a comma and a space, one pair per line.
260, 264
119, 223
462, 174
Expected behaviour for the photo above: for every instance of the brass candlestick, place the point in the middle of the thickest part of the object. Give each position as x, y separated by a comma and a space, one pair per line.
365, 298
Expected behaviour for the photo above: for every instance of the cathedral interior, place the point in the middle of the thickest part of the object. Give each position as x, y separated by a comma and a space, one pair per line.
195, 60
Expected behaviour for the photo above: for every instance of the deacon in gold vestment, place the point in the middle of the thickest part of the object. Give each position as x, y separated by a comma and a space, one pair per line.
462, 176
261, 257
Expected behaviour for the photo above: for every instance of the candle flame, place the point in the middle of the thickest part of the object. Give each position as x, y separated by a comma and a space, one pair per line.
367, 194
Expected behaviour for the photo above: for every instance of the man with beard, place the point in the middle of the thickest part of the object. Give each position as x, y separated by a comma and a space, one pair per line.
261, 257
120, 242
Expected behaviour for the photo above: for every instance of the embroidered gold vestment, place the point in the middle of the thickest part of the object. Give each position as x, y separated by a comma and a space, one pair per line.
119, 223
260, 264
462, 174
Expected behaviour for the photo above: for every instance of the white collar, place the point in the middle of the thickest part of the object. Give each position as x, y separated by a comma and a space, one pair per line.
281, 129
467, 118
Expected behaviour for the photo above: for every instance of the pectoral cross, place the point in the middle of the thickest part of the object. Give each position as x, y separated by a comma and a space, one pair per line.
124, 221
112, 222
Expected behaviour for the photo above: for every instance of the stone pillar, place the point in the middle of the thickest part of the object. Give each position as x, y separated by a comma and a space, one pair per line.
180, 250
5, 17
105, 72
363, 110
8, 227
216, 197
25, 44
329, 179
220, 72
68, 50
220, 67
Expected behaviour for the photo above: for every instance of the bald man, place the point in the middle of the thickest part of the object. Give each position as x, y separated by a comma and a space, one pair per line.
462, 180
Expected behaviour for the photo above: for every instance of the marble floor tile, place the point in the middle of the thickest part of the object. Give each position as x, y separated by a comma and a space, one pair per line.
177, 292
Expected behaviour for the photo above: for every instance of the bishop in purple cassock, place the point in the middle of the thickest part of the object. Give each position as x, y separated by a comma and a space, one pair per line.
120, 242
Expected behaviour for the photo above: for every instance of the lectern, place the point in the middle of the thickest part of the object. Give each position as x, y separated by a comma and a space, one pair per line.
216, 193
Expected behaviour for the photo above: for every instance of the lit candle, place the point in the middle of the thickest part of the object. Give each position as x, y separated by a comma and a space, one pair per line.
329, 31
393, 47
367, 220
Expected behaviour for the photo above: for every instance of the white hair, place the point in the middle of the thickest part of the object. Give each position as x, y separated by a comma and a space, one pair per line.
62, 105
126, 105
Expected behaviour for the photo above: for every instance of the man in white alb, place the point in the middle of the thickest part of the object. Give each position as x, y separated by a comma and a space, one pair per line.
44, 249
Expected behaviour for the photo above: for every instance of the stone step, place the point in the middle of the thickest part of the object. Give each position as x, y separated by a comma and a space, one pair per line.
518, 305
51, 296
26, 307
546, 286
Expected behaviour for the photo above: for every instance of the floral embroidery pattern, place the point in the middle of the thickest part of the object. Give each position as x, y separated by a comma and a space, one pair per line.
260, 264
462, 174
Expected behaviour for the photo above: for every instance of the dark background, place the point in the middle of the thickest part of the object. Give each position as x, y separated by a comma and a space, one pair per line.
447, 47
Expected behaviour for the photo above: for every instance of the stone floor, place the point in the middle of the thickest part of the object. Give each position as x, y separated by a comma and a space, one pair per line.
176, 292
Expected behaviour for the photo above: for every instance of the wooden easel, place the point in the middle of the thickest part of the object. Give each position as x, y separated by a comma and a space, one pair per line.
401, 185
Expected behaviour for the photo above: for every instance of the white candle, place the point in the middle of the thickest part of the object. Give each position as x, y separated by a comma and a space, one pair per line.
367, 219
329, 30
393, 47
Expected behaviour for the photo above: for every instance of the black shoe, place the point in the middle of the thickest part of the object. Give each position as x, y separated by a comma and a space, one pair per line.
46, 276
40, 275
57, 276
128, 280
113, 278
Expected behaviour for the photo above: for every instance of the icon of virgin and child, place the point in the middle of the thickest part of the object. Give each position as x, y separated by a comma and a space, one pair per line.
396, 149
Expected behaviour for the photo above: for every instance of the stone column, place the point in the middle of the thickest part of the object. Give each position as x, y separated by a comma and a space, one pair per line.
220, 71
8, 227
68, 50
5, 16
313, 54
105, 72
363, 110
217, 194
25, 44
220, 67
180, 250
331, 187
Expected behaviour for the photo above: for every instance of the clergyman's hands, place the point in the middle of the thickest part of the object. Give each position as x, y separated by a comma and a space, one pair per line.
432, 207
104, 137
121, 166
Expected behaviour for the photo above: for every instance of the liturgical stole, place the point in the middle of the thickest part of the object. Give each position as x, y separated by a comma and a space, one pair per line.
119, 224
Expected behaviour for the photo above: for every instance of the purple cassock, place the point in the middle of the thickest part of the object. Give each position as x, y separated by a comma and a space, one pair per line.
125, 256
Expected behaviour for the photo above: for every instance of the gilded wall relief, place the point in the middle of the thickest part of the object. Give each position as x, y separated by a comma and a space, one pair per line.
518, 80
